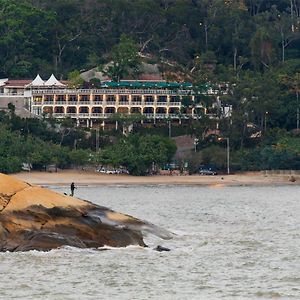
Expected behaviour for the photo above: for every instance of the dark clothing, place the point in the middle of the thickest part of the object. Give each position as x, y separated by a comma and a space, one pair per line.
72, 188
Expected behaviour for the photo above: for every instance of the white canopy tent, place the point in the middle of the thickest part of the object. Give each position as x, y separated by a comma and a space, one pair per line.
38, 81
3, 81
52, 81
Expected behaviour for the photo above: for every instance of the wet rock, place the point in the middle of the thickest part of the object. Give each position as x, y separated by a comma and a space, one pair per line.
34, 218
161, 249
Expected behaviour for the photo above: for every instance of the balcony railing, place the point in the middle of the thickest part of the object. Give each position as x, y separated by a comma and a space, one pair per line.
71, 115
136, 102
123, 102
59, 115
149, 116
11, 94
97, 115
110, 115
112, 92
162, 103
173, 116
111, 102
161, 116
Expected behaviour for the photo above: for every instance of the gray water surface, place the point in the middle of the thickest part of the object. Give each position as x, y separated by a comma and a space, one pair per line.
230, 243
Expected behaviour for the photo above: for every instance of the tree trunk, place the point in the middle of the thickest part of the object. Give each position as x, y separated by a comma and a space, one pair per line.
297, 95
282, 44
206, 35
234, 58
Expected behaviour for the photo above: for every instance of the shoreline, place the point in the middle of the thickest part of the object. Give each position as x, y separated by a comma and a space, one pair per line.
86, 178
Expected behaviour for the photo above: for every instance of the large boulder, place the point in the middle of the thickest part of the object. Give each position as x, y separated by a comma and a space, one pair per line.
35, 218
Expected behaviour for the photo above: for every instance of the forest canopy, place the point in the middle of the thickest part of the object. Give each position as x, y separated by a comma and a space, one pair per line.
249, 47
43, 36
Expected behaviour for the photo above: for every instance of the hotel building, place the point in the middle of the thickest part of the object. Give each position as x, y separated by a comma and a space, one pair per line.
153, 100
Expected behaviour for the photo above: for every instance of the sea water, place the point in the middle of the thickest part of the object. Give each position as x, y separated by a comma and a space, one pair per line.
229, 243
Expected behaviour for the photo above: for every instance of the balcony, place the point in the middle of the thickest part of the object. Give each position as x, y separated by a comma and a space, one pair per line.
161, 116
59, 115
175, 104
123, 103
83, 115
112, 92
71, 115
136, 103
110, 102
149, 116
84, 102
108, 115
97, 115
162, 104
174, 116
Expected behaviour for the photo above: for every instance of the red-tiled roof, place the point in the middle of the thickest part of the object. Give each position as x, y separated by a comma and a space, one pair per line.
17, 82
23, 82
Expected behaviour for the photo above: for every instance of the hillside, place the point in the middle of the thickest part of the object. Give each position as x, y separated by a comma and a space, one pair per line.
246, 51
199, 35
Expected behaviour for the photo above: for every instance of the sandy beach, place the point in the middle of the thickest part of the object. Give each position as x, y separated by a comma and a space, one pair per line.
82, 178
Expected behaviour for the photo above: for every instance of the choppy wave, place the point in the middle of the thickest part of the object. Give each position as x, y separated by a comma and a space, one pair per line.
228, 243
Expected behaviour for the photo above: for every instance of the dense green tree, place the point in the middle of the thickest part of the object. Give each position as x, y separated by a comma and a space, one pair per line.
63, 35
250, 47
293, 84
25, 30
138, 153
79, 157
125, 59
75, 81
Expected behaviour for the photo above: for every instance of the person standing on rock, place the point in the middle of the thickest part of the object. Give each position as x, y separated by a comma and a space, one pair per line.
72, 189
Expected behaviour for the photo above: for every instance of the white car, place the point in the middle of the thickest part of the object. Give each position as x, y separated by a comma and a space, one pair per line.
111, 172
122, 171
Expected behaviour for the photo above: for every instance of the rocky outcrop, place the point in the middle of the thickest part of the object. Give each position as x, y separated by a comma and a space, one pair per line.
32, 217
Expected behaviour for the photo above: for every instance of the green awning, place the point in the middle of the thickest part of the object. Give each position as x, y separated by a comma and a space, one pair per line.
149, 85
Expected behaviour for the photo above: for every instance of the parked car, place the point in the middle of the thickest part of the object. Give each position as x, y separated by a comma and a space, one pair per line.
111, 171
122, 171
206, 170
102, 170
26, 167
105, 170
